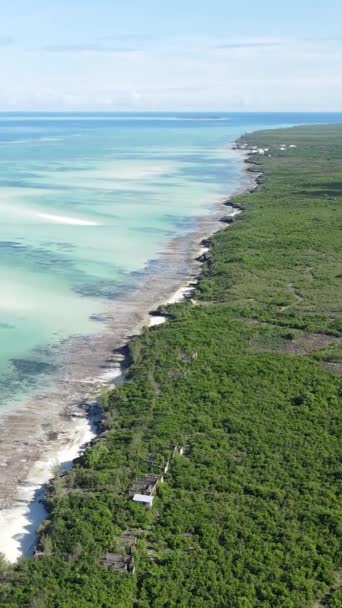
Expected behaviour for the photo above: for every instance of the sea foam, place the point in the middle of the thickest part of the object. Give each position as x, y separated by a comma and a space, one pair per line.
63, 219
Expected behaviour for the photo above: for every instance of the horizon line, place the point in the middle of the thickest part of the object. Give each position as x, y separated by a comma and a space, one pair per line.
339, 111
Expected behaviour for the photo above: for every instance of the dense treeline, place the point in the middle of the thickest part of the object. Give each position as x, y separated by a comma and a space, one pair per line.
246, 380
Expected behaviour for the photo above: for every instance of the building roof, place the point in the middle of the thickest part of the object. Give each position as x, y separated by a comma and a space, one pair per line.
143, 498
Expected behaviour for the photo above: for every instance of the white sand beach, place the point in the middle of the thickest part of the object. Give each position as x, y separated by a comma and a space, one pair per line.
19, 523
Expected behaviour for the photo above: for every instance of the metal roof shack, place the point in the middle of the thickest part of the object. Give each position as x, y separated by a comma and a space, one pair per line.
147, 501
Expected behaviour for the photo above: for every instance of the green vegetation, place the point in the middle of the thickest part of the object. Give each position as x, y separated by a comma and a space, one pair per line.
247, 380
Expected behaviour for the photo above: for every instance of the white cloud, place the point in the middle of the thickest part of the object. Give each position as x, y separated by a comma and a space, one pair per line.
88, 48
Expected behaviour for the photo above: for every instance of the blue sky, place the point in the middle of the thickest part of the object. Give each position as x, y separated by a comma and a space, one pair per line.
141, 55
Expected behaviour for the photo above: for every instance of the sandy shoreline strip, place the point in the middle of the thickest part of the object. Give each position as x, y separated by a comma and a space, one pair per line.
19, 523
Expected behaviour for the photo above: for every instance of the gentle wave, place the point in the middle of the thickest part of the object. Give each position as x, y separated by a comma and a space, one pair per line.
63, 219
51, 138
30, 140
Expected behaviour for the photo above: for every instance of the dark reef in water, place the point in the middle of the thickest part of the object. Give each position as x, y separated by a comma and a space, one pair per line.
30, 367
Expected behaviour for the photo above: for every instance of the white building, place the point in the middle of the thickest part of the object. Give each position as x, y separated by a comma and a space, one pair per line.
147, 501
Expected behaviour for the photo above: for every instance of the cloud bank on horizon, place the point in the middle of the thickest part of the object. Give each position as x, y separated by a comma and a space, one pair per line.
130, 55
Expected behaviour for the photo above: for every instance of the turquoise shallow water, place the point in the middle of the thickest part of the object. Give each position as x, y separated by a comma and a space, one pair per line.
86, 202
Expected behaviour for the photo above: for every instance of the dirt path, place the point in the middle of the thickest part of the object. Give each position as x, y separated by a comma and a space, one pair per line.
296, 295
